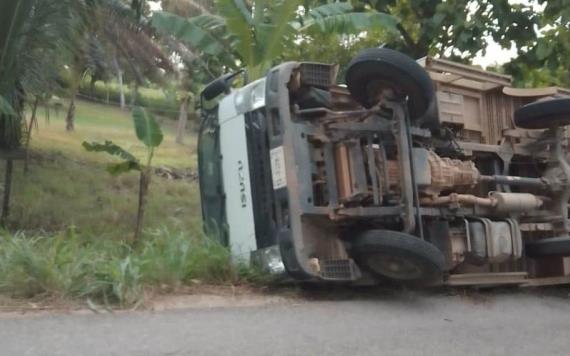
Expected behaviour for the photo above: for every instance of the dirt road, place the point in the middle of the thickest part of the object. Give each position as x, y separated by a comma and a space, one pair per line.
383, 323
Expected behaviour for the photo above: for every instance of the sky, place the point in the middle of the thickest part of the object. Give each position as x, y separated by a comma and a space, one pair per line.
497, 55
154, 5
494, 55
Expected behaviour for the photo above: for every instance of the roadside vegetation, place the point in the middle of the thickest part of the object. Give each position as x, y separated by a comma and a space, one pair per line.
69, 265
73, 220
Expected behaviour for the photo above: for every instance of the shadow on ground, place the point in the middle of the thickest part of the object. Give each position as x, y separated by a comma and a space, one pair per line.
386, 293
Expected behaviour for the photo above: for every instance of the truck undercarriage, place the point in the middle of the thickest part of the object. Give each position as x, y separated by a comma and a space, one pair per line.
413, 174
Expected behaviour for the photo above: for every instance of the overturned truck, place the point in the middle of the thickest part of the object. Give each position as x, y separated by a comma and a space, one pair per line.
420, 172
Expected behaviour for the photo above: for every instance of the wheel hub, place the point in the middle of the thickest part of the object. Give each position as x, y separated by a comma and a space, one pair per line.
395, 267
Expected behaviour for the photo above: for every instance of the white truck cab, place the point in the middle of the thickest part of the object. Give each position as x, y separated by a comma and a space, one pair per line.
235, 116
228, 188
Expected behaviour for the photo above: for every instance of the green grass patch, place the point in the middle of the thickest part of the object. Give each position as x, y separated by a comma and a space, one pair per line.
67, 186
71, 266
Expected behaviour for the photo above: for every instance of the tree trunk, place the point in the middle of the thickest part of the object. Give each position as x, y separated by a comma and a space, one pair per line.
29, 137
92, 86
47, 113
70, 118
134, 94
7, 192
144, 182
120, 80
182, 122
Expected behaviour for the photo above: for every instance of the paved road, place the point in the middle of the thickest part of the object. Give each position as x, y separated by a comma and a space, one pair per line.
396, 323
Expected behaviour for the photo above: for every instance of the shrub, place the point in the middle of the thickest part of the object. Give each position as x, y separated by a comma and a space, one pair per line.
180, 259
70, 266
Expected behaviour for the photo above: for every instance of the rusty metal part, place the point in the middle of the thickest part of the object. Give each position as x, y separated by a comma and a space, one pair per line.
342, 166
515, 180
515, 202
447, 173
372, 171
454, 198
341, 99
547, 281
407, 184
335, 114
473, 279
559, 155
351, 171
443, 174
536, 92
458, 245
499, 201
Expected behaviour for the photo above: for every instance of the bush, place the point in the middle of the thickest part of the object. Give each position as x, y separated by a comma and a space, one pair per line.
179, 259
107, 271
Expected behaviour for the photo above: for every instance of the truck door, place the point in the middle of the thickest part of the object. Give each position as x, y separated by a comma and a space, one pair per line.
236, 180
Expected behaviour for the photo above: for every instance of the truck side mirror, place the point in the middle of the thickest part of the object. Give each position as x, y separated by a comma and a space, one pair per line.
219, 85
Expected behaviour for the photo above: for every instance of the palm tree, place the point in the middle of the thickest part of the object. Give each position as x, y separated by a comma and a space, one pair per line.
255, 33
114, 38
34, 34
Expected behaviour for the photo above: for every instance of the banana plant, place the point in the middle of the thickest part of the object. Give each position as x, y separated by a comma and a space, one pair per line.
149, 133
255, 33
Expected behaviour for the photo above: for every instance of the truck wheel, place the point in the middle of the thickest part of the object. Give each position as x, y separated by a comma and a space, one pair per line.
400, 257
544, 114
375, 69
555, 246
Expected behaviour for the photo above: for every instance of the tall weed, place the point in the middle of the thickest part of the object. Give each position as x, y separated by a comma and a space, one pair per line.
67, 265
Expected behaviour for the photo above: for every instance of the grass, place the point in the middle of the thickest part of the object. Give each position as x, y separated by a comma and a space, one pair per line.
156, 100
96, 122
70, 219
67, 186
70, 266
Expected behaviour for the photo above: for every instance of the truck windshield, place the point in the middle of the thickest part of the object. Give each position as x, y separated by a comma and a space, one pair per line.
210, 175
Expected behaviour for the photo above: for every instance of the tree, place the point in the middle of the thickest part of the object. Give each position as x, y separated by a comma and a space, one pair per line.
149, 133
188, 8
457, 29
254, 34
185, 101
115, 37
33, 36
547, 61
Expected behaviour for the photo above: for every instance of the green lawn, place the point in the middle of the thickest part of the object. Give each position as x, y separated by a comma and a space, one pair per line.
69, 187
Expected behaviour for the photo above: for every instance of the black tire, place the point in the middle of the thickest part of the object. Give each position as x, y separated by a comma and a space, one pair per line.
384, 67
555, 246
400, 257
544, 114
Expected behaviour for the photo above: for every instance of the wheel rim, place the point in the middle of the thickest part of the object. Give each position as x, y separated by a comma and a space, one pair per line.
379, 88
395, 267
